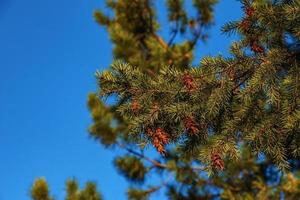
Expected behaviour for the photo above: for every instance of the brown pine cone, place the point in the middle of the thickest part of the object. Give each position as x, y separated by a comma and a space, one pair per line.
159, 138
249, 11
135, 106
162, 136
217, 161
158, 145
256, 48
189, 82
191, 126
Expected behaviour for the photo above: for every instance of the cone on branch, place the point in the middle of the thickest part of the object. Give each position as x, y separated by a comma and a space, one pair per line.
135, 106
249, 11
162, 136
191, 126
217, 162
189, 82
256, 48
159, 139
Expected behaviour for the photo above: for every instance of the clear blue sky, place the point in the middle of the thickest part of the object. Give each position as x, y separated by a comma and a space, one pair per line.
49, 52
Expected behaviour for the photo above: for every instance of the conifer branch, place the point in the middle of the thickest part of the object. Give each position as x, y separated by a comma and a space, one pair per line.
158, 38
154, 162
194, 41
160, 41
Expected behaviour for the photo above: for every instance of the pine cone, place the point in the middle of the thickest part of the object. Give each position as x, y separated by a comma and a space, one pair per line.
191, 126
159, 146
135, 106
217, 161
162, 136
249, 11
188, 82
256, 48
159, 138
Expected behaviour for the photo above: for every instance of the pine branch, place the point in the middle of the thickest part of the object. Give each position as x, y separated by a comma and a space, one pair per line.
154, 162
195, 40
160, 41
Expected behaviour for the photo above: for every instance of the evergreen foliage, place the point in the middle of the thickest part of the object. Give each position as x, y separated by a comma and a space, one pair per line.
40, 191
251, 97
131, 167
236, 118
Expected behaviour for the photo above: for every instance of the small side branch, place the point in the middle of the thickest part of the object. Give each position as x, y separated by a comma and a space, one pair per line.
154, 162
174, 33
160, 41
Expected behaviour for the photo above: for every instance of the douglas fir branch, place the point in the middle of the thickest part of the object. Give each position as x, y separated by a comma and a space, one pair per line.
226, 128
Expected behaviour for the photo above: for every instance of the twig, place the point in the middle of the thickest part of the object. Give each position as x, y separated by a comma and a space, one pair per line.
196, 37
175, 31
160, 41
154, 162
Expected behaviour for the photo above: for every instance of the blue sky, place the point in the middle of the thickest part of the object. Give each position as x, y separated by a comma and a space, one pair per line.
49, 52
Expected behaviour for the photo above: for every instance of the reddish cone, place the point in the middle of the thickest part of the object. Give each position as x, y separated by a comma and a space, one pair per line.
191, 126
217, 161
189, 82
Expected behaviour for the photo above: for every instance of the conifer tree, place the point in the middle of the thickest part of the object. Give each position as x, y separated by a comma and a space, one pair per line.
236, 118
